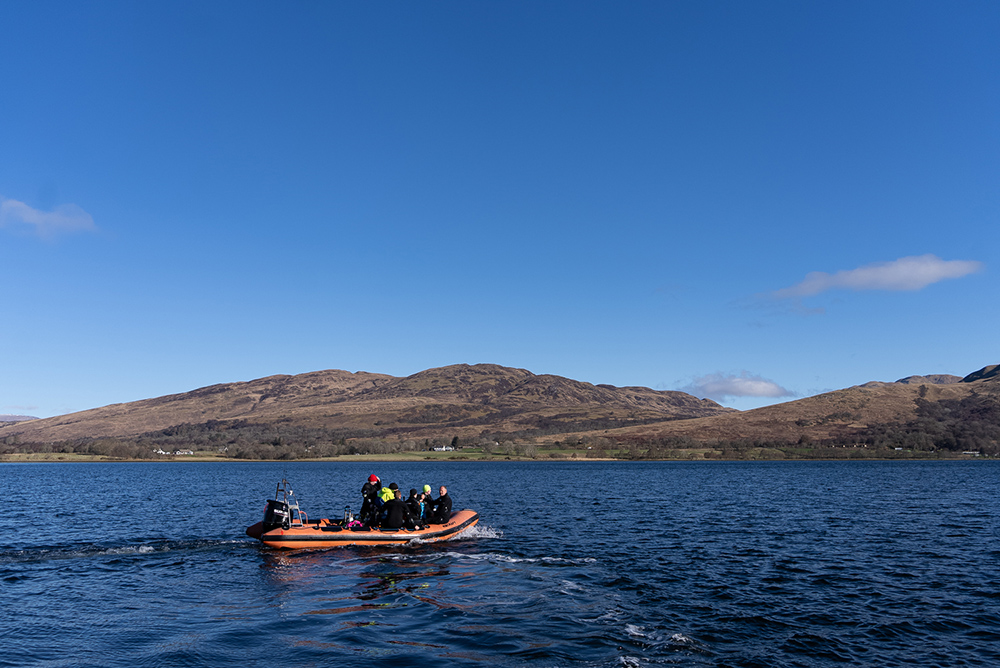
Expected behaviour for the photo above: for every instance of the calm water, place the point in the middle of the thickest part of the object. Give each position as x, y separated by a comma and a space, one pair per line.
589, 564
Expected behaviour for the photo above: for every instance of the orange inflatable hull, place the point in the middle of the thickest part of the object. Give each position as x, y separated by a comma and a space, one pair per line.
326, 533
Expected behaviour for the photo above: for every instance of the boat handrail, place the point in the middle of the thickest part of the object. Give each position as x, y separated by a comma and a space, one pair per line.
295, 514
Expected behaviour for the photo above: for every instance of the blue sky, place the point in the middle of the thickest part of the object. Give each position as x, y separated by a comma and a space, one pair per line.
749, 201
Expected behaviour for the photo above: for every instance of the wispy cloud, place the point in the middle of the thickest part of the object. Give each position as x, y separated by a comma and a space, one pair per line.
18, 408
64, 219
718, 387
907, 273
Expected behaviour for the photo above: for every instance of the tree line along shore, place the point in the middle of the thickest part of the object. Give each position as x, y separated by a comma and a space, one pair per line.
434, 450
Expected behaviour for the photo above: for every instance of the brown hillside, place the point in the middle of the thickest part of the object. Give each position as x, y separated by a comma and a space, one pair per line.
262, 398
933, 379
839, 415
991, 372
455, 400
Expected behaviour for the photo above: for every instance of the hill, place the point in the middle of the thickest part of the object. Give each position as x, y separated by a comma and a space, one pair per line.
333, 412
15, 418
952, 413
461, 400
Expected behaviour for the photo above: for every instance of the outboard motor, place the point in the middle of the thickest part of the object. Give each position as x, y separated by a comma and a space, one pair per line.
276, 515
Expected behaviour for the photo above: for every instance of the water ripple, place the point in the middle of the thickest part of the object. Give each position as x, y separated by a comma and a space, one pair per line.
800, 565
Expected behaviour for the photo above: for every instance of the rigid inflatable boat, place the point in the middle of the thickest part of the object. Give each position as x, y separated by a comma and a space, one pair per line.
285, 525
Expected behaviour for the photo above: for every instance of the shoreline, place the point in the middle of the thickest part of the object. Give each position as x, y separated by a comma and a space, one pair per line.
52, 458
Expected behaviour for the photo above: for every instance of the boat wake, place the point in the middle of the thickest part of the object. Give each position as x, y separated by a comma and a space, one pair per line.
480, 531
489, 557
95, 550
475, 532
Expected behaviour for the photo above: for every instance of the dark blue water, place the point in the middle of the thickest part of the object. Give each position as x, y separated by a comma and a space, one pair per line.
574, 564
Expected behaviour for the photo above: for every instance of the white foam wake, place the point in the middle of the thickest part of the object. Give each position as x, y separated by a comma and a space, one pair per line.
480, 531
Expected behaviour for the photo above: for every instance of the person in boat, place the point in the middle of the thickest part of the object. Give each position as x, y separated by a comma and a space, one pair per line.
396, 514
371, 503
388, 493
427, 509
442, 507
415, 502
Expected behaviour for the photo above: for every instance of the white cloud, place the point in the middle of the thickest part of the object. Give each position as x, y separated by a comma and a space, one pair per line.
906, 273
65, 218
718, 387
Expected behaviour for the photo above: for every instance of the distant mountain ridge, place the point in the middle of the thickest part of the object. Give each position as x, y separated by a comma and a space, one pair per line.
986, 373
471, 401
460, 399
16, 418
842, 416
933, 379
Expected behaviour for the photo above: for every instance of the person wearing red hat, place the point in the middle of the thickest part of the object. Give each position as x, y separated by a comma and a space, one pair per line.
371, 503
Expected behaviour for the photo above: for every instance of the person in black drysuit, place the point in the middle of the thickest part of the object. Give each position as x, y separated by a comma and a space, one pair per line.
372, 504
395, 514
442, 507
416, 505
